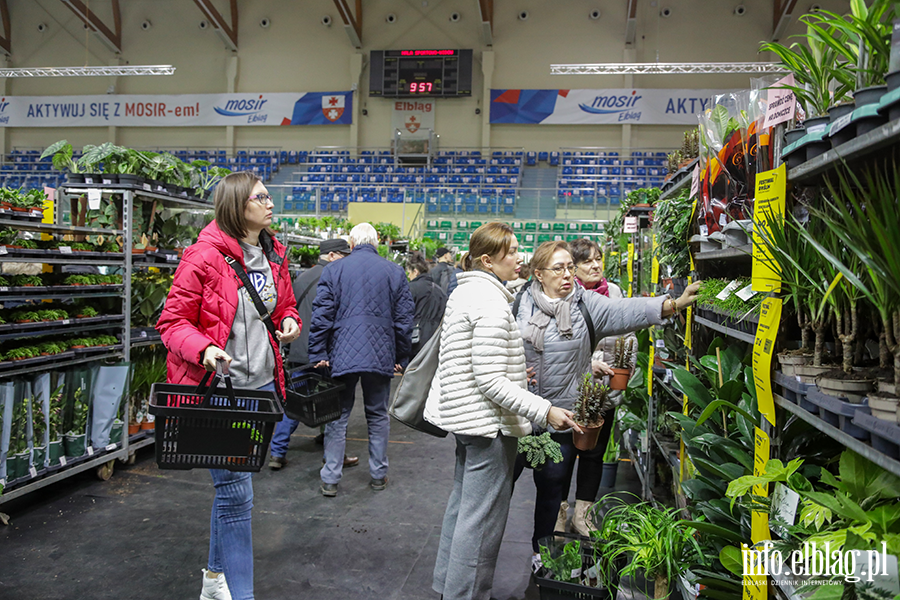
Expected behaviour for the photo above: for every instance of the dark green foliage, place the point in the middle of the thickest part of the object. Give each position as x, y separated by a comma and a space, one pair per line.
539, 448
592, 402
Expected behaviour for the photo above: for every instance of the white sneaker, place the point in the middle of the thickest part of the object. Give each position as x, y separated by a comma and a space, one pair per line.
214, 589
536, 563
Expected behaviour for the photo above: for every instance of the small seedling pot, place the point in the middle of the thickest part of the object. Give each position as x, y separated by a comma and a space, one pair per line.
587, 440
619, 380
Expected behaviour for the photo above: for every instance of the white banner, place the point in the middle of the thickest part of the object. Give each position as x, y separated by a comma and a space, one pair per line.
413, 117
303, 108
600, 107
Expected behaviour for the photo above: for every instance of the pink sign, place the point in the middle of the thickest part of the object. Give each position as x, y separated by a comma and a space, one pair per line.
780, 102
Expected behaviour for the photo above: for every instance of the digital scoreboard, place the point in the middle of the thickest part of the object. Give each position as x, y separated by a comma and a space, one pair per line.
420, 73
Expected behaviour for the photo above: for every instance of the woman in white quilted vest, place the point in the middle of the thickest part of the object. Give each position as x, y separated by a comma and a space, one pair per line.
479, 394
555, 328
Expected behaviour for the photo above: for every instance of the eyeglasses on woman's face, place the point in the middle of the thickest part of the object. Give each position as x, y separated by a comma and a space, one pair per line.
591, 261
560, 269
262, 199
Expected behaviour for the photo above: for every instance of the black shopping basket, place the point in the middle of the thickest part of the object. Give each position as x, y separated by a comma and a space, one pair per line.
202, 427
312, 398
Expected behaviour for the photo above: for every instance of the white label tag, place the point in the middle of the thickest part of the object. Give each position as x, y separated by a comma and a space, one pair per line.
576, 573
146, 187
704, 230
880, 569
784, 507
723, 220
88, 179
110, 447
841, 123
695, 181
2, 483
816, 129
660, 343
62, 460
4, 289
745, 293
668, 376
3, 250
65, 321
143, 334
90, 450
724, 294
94, 199
65, 249
107, 181
171, 257
631, 225
32, 471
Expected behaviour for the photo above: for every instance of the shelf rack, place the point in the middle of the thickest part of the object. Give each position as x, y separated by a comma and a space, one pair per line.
683, 180
861, 448
125, 449
726, 331
736, 252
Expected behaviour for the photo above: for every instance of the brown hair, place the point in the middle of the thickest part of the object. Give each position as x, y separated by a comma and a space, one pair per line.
492, 239
417, 261
231, 198
544, 254
525, 271
581, 250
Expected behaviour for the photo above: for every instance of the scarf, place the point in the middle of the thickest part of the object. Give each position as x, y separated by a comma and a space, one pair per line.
547, 311
601, 288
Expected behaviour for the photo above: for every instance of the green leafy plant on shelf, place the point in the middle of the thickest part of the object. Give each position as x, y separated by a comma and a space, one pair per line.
25, 316
51, 348
148, 293
22, 353
538, 449
567, 566
657, 541
84, 312
56, 414
671, 224
80, 410
26, 280
62, 153
18, 440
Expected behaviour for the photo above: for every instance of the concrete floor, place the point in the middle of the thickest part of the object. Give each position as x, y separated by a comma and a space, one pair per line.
144, 534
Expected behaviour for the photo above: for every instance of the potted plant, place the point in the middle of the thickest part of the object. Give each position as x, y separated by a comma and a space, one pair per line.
25, 316
55, 446
17, 456
21, 353
27, 280
86, 312
610, 464
62, 160
77, 280
590, 407
623, 358
659, 544
78, 343
538, 449
38, 429
74, 440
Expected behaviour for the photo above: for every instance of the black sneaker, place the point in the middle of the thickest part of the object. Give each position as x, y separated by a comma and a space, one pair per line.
329, 490
378, 484
320, 439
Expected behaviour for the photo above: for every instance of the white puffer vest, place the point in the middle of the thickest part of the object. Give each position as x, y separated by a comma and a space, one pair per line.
480, 387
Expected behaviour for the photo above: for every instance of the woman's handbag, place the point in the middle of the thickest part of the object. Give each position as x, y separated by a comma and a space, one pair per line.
408, 405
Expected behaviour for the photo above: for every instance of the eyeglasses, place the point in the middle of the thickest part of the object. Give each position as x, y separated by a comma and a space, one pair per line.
559, 269
261, 199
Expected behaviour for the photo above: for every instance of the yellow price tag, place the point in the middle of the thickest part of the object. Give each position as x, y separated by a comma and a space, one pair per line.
631, 270
651, 358
756, 584
654, 271
768, 208
763, 348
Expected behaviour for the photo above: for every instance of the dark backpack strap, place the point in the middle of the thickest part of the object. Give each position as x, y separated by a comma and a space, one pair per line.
590, 324
264, 315
306, 290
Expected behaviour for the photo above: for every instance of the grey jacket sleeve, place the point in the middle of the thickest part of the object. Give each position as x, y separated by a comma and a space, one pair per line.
615, 317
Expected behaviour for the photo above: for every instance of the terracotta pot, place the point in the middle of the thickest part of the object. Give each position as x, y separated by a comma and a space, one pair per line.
588, 440
73, 347
146, 425
133, 429
20, 209
619, 381
138, 250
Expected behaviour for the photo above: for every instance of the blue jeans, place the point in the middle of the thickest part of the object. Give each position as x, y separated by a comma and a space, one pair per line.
552, 481
230, 534
376, 393
284, 429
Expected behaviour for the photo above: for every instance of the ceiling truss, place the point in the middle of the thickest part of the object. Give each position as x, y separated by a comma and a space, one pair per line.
112, 38
352, 23
116, 71
228, 32
666, 68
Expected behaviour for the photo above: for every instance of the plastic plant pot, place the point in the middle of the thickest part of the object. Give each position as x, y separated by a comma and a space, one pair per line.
619, 379
55, 451
588, 439
74, 445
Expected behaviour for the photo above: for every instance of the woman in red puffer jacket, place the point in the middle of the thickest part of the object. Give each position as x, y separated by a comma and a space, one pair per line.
208, 316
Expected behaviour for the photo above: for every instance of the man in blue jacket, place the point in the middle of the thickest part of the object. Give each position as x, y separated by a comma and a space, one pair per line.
361, 324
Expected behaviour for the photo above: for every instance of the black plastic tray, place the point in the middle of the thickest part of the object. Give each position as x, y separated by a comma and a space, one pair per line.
885, 436
838, 413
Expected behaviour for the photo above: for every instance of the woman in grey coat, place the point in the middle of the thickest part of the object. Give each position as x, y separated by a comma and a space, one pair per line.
558, 350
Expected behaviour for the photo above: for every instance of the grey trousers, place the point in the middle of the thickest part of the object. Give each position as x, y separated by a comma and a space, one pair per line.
475, 518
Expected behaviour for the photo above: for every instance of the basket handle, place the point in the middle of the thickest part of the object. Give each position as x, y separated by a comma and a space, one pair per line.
221, 374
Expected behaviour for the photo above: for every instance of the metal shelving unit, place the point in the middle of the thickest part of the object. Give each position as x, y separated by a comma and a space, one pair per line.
861, 448
735, 253
726, 331
859, 147
683, 180
124, 451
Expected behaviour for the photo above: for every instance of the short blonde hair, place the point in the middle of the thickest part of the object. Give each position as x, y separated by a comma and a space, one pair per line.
230, 201
544, 254
363, 233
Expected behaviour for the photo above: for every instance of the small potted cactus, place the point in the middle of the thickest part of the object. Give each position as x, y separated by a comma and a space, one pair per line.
592, 404
624, 355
